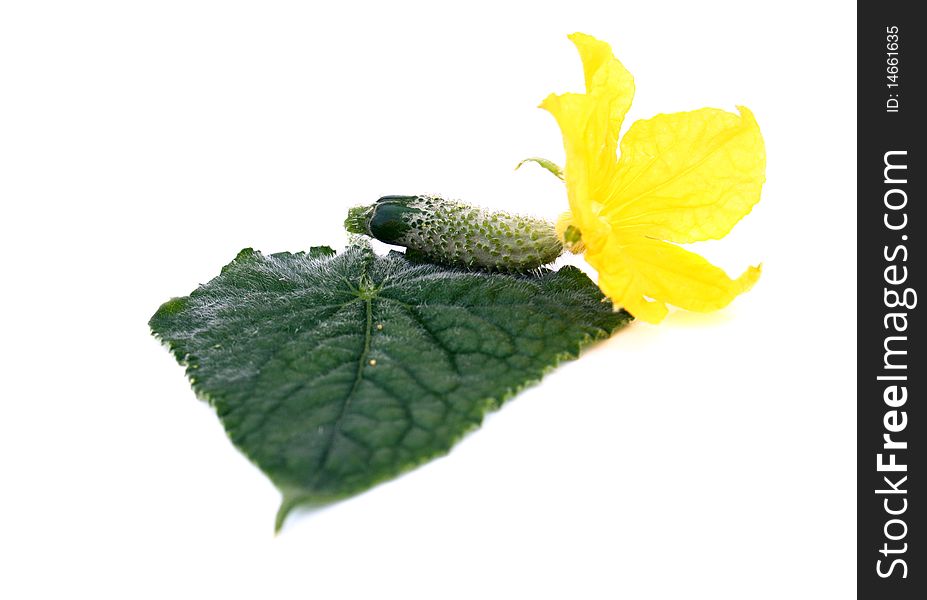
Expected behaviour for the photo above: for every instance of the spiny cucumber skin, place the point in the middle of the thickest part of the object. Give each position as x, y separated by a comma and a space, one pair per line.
457, 234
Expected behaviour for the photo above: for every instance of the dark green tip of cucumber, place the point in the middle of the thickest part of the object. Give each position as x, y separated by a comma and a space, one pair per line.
388, 220
384, 220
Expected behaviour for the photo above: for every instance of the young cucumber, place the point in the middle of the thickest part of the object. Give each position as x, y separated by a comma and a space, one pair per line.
458, 234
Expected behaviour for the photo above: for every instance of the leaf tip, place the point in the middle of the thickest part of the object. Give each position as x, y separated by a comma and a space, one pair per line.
321, 252
165, 311
245, 253
286, 506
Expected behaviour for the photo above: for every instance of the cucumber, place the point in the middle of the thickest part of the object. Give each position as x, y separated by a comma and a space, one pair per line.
457, 234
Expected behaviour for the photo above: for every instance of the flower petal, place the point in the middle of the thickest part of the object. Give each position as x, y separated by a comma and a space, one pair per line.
645, 275
590, 124
609, 82
688, 176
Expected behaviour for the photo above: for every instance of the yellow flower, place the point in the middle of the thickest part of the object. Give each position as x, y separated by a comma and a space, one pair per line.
681, 177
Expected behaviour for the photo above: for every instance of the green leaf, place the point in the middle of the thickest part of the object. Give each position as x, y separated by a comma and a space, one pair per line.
332, 373
547, 164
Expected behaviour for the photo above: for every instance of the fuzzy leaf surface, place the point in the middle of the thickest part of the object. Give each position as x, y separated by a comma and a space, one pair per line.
335, 372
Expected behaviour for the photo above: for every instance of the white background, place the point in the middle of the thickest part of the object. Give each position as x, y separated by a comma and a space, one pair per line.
142, 145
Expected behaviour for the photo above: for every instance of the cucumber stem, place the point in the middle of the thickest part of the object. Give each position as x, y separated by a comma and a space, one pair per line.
357, 219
